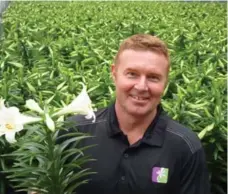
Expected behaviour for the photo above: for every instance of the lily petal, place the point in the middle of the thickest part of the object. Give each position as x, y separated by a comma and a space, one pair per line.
27, 119
80, 105
10, 137
18, 127
2, 105
13, 109
91, 115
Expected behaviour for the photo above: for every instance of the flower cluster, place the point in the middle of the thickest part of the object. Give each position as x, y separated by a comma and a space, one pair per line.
13, 121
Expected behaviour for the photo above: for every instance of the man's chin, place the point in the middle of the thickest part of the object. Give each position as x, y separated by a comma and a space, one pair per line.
139, 113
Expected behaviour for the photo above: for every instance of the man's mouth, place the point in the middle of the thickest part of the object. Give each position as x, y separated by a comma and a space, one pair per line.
139, 98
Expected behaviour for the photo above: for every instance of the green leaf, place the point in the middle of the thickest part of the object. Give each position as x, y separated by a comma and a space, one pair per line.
60, 85
16, 64
31, 88
205, 130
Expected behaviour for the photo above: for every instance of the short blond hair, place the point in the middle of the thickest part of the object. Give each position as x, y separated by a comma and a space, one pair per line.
143, 42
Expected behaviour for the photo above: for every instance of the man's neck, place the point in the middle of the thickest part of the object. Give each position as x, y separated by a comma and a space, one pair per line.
133, 125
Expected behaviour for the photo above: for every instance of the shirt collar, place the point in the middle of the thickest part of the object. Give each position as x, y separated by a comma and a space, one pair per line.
113, 124
155, 133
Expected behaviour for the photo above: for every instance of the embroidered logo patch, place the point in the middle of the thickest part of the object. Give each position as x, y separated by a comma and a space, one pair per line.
160, 175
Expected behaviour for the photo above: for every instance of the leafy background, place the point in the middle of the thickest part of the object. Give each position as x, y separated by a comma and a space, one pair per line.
48, 47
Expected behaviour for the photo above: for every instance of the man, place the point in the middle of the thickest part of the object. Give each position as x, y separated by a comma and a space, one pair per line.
139, 149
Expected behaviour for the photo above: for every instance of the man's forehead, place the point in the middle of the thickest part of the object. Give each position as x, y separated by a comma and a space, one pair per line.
133, 56
143, 61
130, 52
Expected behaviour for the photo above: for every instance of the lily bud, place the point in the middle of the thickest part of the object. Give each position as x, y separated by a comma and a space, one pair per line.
33, 105
49, 122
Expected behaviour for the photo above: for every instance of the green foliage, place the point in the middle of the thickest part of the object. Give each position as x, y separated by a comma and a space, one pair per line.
48, 47
39, 164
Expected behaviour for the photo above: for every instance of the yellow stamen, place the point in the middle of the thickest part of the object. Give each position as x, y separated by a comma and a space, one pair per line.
9, 126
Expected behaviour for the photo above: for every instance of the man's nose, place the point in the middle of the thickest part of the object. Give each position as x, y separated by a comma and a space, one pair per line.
141, 84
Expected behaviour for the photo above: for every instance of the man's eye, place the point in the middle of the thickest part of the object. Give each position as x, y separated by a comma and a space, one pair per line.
131, 74
154, 78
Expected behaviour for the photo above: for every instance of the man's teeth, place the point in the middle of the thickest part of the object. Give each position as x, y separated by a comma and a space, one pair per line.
138, 98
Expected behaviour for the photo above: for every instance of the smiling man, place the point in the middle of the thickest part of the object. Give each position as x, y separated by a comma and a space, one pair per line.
140, 78
139, 149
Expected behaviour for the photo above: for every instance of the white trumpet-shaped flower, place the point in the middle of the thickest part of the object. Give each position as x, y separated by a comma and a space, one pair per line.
49, 122
33, 105
12, 121
80, 105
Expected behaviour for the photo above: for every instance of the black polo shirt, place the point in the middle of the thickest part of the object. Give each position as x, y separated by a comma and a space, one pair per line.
169, 159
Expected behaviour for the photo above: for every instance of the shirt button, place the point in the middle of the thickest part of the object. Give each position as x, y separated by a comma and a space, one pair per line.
122, 178
126, 155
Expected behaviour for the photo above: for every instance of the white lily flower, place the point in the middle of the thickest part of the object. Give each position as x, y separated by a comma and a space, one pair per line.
49, 122
33, 105
80, 105
12, 121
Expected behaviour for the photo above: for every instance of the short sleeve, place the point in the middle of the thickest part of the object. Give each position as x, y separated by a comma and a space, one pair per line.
194, 174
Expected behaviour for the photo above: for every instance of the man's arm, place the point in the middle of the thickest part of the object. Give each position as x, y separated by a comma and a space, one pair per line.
194, 174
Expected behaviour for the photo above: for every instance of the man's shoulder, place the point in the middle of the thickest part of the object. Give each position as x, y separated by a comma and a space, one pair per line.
184, 135
79, 123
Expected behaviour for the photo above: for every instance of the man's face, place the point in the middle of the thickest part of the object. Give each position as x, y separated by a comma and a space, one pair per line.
140, 78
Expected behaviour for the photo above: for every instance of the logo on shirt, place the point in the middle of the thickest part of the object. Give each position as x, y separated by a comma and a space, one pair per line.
160, 175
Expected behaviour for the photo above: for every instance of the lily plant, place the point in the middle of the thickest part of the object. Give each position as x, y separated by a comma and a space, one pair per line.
41, 157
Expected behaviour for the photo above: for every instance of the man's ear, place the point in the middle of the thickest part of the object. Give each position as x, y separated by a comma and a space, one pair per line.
113, 72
